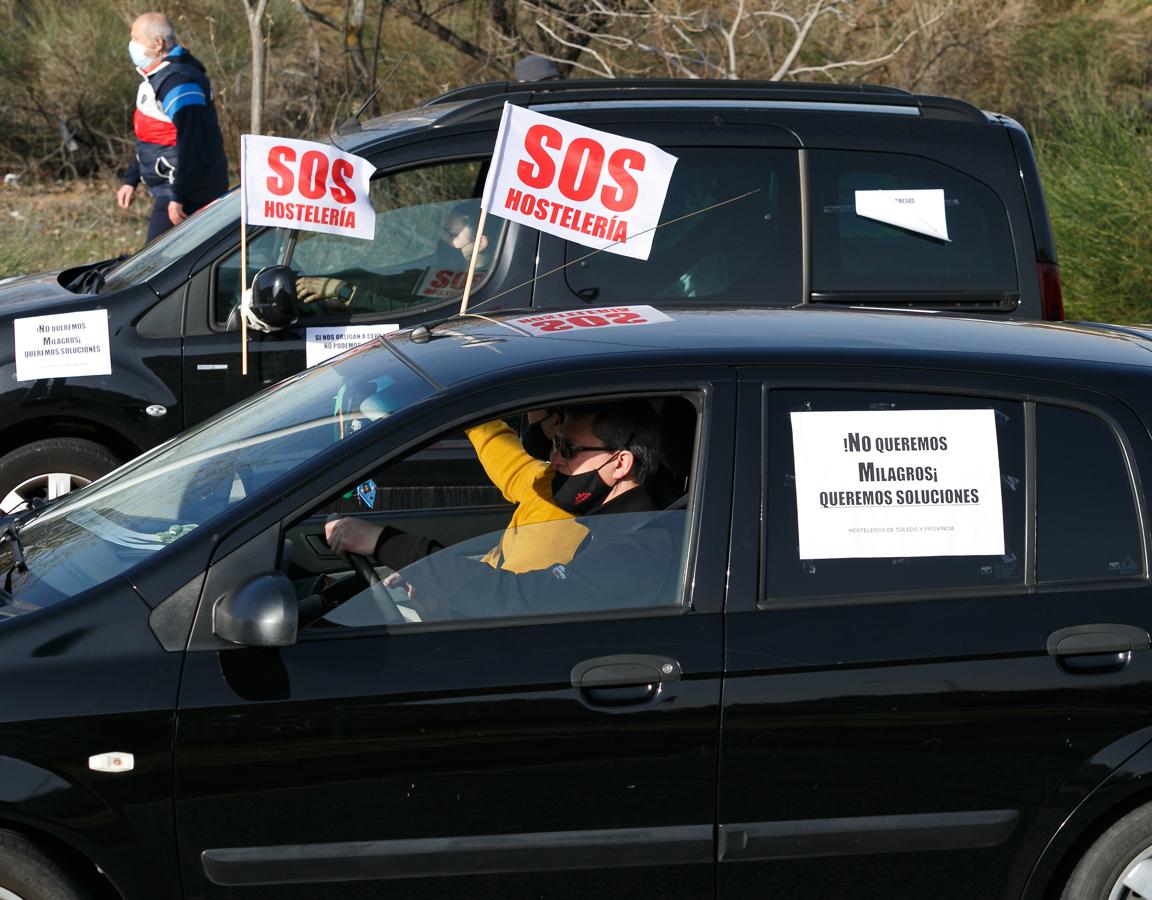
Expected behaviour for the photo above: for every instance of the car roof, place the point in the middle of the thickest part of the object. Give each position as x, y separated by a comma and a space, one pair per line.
479, 345
483, 102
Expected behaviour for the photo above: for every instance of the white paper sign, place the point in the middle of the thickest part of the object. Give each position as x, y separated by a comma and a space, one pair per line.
919, 211
324, 343
68, 345
584, 185
897, 483
586, 319
305, 185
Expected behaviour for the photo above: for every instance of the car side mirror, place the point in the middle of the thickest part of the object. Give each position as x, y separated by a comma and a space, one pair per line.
274, 303
261, 613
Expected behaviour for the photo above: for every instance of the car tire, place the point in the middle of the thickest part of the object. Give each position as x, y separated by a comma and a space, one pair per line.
1118, 858
26, 873
49, 468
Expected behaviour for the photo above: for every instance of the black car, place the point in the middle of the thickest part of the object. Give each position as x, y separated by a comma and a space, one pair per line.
793, 155
886, 634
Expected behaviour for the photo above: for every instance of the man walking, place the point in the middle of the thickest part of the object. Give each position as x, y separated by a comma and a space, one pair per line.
179, 148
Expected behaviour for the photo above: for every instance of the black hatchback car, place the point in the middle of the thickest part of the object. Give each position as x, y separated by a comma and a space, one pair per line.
886, 634
795, 155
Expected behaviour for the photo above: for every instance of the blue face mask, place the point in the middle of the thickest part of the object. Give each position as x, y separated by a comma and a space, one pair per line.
141, 58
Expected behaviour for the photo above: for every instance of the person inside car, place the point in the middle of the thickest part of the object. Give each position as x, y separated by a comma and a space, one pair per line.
418, 279
604, 456
600, 453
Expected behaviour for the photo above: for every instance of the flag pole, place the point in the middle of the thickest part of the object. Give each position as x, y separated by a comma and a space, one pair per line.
476, 238
243, 263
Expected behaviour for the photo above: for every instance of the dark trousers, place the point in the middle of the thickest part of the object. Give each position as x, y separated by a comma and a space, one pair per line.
159, 221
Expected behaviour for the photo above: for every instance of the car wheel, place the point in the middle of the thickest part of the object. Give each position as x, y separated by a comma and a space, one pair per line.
1118, 866
47, 469
28, 874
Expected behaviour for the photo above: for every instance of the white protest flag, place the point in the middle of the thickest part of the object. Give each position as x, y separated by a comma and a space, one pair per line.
921, 211
305, 185
588, 186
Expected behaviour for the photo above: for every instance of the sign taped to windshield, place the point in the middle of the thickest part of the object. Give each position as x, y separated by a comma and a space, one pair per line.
897, 483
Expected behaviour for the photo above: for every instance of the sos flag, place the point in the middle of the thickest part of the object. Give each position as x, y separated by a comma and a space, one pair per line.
588, 186
305, 185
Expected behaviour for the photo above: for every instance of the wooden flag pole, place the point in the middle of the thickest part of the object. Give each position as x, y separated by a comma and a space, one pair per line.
472, 263
243, 264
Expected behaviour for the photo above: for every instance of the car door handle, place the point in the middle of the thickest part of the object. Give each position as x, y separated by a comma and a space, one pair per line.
1098, 647
624, 670
624, 679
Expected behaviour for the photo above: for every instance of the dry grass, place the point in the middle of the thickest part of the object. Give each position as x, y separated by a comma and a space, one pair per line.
51, 226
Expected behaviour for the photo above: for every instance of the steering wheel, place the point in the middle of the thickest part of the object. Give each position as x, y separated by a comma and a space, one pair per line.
379, 591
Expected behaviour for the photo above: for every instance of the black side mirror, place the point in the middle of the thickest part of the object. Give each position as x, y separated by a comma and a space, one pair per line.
274, 297
261, 613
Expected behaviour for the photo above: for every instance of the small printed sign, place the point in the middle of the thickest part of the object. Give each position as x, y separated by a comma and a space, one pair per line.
324, 343
919, 211
583, 319
897, 483
67, 345
446, 284
588, 186
306, 185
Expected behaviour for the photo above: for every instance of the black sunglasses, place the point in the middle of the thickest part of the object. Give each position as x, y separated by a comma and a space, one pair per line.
567, 449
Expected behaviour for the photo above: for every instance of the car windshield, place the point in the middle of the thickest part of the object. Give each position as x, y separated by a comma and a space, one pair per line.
175, 243
99, 532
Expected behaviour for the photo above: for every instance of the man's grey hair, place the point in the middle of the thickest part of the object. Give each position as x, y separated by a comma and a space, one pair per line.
158, 25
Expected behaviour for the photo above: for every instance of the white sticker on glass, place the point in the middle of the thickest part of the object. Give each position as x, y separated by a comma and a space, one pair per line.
324, 343
919, 211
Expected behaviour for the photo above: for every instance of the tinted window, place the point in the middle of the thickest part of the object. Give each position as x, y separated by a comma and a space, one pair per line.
1081, 470
918, 481
746, 250
854, 254
425, 219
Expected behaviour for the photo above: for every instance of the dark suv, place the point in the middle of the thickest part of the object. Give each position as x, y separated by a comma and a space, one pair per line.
794, 154
885, 635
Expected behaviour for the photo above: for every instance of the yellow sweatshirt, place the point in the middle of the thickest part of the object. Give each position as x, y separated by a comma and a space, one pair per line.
527, 482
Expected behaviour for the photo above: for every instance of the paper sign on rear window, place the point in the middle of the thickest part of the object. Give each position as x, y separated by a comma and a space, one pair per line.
897, 483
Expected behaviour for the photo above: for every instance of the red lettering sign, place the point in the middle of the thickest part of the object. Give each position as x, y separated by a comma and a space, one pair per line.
581, 169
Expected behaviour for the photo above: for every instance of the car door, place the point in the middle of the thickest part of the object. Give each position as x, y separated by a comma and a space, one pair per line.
555, 755
352, 289
921, 723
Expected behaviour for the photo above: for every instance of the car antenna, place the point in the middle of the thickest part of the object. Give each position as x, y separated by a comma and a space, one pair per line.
352, 123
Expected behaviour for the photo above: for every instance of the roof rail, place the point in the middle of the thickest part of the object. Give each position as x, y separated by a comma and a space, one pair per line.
695, 85
485, 97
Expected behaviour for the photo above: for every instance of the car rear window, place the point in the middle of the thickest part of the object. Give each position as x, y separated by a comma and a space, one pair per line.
1081, 466
743, 250
854, 255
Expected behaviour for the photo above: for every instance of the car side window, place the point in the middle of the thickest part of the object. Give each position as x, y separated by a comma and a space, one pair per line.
854, 254
441, 561
425, 224
1080, 466
753, 194
886, 492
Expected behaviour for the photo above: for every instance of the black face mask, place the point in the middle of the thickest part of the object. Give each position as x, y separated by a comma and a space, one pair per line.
580, 494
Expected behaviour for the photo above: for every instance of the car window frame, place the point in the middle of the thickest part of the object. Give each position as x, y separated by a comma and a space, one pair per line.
749, 558
687, 564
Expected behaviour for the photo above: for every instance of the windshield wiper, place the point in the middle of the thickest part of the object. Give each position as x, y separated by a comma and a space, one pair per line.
13, 536
91, 280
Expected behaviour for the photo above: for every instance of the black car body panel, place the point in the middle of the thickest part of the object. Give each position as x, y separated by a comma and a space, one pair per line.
956, 726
